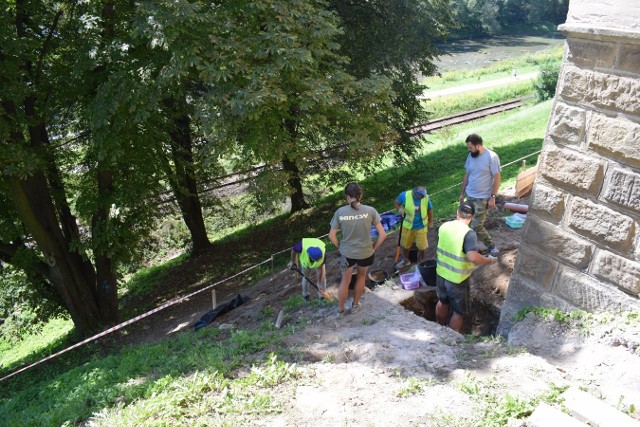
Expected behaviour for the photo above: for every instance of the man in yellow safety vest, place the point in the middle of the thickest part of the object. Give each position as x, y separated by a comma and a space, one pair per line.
415, 206
457, 256
309, 254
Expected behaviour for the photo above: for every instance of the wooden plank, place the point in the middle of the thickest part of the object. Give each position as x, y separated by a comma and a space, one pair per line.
524, 181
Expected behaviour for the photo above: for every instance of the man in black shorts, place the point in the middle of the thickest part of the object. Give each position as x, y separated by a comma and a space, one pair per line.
457, 255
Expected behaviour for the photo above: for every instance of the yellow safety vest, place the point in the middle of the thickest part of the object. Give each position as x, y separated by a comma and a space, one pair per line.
410, 209
307, 243
453, 263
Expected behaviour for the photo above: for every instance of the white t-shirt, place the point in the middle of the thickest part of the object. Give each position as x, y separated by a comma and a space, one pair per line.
481, 170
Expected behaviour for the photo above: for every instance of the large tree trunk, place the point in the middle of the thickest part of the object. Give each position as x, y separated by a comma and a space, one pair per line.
71, 275
298, 202
106, 284
185, 185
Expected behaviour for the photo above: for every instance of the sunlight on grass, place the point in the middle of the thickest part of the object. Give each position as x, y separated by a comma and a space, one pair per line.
31, 346
504, 68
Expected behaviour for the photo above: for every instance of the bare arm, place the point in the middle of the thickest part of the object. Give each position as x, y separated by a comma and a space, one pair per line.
465, 181
430, 218
477, 259
381, 236
333, 236
494, 190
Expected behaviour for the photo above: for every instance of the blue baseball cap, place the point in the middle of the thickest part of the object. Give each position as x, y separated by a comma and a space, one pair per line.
315, 253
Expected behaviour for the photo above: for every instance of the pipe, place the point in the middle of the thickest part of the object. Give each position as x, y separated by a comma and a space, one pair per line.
515, 207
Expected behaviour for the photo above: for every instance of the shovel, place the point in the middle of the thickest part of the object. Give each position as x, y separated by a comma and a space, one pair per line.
396, 267
324, 293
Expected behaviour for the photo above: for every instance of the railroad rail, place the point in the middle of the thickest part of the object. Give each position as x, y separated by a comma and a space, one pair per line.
239, 178
467, 116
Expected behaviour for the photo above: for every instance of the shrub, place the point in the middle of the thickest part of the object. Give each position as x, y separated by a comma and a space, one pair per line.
545, 84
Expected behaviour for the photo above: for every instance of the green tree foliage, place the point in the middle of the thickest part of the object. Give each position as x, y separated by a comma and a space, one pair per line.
545, 84
74, 181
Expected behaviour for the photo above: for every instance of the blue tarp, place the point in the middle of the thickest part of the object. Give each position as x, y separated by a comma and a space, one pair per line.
389, 221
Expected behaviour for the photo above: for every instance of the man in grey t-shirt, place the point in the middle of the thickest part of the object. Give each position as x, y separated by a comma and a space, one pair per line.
480, 186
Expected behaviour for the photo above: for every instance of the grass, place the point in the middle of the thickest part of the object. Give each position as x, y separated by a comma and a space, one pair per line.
523, 64
185, 380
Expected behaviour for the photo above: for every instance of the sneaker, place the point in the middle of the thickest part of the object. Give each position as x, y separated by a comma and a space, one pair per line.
341, 314
355, 308
493, 251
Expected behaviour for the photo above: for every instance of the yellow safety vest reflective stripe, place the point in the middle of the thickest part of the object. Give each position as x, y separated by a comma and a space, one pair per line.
453, 263
410, 209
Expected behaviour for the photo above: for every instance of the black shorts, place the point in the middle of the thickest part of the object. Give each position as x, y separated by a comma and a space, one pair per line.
366, 262
454, 294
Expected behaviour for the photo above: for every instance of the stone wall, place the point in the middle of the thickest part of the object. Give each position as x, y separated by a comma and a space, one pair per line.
581, 240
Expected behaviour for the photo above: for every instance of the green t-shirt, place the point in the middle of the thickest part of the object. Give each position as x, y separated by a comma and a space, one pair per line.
355, 225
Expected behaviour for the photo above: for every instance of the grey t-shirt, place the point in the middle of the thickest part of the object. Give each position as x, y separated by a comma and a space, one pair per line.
481, 170
355, 225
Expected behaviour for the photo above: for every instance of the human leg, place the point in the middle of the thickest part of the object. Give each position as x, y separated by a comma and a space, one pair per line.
362, 265
442, 306
480, 206
321, 276
346, 266
442, 311
406, 241
421, 243
459, 298
305, 283
456, 321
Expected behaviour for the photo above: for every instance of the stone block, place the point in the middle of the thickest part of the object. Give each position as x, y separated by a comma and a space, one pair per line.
522, 294
589, 294
567, 124
602, 90
591, 53
616, 138
629, 58
535, 266
557, 243
618, 271
622, 187
547, 203
601, 224
572, 170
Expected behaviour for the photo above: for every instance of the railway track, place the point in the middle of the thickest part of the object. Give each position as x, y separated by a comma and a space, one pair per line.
467, 116
240, 178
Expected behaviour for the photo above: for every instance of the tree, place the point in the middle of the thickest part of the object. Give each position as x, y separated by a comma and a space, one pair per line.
67, 171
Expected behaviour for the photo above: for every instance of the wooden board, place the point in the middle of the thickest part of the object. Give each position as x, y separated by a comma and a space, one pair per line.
524, 181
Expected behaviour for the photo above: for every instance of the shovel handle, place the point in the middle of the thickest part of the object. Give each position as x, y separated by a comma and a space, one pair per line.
323, 293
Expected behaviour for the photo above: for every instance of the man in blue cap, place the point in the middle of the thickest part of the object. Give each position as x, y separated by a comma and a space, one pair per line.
308, 254
415, 206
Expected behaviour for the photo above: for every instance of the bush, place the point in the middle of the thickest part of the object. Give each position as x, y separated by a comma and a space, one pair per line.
545, 84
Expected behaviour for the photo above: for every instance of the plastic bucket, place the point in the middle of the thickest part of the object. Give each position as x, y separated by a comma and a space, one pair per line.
427, 270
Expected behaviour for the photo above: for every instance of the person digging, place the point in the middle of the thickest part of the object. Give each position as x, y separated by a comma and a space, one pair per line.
457, 255
307, 255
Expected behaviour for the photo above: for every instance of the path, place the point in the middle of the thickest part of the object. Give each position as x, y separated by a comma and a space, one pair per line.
430, 94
